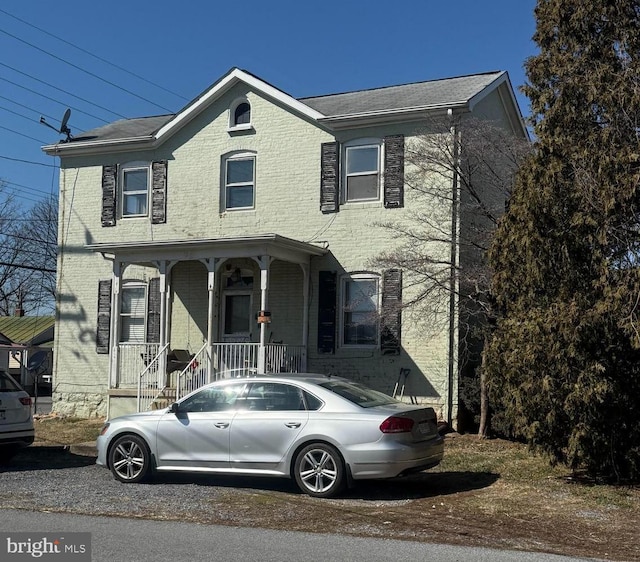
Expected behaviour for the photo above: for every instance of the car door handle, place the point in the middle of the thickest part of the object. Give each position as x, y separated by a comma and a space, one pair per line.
293, 425
221, 425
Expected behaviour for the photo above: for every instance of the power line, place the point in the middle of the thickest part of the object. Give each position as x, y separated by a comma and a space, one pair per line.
27, 196
27, 107
83, 70
31, 267
94, 55
61, 90
28, 161
22, 135
25, 187
63, 104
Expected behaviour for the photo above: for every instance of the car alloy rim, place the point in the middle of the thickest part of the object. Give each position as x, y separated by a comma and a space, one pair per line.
128, 460
318, 470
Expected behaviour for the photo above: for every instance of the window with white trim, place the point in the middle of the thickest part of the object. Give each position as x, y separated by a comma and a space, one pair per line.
359, 310
240, 115
133, 313
362, 170
134, 179
239, 182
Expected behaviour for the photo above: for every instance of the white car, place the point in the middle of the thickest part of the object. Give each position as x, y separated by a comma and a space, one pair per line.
322, 431
16, 420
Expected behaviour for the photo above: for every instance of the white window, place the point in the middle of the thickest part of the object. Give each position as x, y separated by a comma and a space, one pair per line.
240, 115
134, 180
239, 182
133, 313
362, 170
359, 310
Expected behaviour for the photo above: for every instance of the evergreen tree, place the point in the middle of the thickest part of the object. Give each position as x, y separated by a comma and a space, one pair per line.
564, 362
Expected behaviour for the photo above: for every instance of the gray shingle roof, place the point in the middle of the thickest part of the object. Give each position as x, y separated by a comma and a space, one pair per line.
126, 128
443, 92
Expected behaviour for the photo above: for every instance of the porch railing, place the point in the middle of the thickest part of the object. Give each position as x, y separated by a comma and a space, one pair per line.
133, 359
139, 367
234, 359
284, 358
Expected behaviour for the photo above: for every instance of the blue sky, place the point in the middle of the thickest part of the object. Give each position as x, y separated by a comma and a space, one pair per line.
302, 48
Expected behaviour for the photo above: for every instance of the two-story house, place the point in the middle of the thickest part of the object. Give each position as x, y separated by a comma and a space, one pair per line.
238, 234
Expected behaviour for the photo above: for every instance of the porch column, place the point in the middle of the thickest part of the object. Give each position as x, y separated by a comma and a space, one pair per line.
162, 361
116, 298
167, 324
264, 262
305, 314
212, 267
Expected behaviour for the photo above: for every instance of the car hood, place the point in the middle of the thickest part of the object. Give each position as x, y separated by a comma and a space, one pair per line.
139, 416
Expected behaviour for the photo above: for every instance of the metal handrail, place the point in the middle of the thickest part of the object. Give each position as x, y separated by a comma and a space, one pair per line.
194, 363
145, 371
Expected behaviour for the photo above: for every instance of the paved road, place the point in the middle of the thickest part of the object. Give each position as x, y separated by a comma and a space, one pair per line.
141, 540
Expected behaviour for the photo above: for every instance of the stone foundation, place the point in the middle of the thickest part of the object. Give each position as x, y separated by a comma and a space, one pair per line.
79, 405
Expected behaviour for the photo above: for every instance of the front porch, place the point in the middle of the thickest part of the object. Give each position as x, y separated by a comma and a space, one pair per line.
178, 315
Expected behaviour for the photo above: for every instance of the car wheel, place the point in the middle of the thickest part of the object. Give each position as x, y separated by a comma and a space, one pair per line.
319, 470
129, 459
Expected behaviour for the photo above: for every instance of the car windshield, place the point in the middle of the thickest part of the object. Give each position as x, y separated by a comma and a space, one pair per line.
358, 394
7, 384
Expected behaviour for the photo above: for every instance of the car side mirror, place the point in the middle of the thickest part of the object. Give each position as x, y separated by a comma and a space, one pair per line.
174, 408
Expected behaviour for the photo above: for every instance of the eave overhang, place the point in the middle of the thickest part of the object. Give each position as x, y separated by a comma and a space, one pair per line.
403, 115
249, 246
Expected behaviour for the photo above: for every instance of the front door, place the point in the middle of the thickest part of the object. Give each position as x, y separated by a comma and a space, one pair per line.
236, 316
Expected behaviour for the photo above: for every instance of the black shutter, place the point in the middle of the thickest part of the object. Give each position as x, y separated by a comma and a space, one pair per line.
104, 316
153, 311
159, 192
330, 177
109, 190
394, 171
327, 293
391, 313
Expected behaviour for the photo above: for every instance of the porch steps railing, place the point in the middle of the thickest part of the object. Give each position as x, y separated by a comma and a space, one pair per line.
151, 380
195, 374
157, 390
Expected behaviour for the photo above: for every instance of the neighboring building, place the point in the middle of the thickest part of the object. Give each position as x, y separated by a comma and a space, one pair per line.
5, 344
27, 345
238, 234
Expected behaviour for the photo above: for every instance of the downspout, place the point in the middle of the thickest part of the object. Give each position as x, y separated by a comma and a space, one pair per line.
455, 206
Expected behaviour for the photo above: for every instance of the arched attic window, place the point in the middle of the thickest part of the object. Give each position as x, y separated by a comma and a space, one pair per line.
240, 115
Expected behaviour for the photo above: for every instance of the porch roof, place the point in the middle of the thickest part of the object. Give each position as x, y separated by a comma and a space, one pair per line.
273, 245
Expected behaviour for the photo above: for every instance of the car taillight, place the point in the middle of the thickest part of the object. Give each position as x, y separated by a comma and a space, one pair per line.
25, 401
396, 424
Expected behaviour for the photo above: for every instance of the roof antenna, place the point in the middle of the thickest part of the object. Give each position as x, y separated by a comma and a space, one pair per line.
64, 129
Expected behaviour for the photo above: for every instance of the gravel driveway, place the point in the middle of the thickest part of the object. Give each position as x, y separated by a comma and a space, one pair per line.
51, 478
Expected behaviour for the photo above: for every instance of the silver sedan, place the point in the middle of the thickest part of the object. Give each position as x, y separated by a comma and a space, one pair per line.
325, 432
